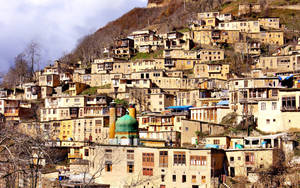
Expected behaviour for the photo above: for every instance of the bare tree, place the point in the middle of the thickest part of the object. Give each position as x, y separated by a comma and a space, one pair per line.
93, 167
140, 97
18, 73
21, 157
33, 54
139, 180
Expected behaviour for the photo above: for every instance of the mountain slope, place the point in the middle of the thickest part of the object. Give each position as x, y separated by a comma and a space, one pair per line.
162, 19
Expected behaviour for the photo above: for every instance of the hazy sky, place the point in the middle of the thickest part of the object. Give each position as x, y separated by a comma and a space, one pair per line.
55, 24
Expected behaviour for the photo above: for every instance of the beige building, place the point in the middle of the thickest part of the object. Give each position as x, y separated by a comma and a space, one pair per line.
211, 70
76, 88
113, 65
158, 102
248, 8
209, 37
32, 91
222, 141
210, 54
278, 63
154, 167
272, 37
212, 114
91, 129
146, 38
203, 15
242, 26
251, 48
147, 64
245, 161
280, 115
245, 93
50, 80
191, 129
272, 22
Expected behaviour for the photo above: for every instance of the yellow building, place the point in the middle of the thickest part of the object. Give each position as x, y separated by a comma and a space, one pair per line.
66, 130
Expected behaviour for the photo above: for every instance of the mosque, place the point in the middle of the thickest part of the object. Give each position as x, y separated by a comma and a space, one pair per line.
124, 130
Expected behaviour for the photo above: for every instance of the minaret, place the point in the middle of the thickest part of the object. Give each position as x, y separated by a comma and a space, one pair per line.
112, 120
132, 110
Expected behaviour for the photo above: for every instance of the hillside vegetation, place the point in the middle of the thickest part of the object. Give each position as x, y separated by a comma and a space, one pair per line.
162, 19
174, 16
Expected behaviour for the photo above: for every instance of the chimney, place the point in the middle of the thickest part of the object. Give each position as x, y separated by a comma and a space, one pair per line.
112, 119
132, 110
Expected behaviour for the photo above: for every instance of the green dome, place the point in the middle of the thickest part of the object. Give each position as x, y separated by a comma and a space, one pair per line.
126, 124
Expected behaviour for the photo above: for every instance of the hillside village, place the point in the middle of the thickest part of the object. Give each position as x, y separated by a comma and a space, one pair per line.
213, 104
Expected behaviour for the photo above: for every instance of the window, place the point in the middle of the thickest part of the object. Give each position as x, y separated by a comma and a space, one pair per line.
249, 158
148, 171
86, 152
163, 159
108, 154
148, 159
274, 105
231, 159
203, 179
183, 178
108, 166
130, 167
288, 103
194, 180
130, 154
198, 160
268, 121
98, 122
174, 178
162, 178
217, 141
263, 106
179, 158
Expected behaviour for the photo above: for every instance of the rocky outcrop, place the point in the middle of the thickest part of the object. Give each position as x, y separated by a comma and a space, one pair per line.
157, 3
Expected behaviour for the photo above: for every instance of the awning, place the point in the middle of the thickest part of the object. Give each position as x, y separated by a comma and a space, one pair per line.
285, 78
223, 103
179, 107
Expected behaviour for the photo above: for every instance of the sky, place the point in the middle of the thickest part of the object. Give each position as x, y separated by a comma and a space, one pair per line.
56, 25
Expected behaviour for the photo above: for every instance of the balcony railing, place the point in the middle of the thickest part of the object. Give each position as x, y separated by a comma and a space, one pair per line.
74, 155
290, 109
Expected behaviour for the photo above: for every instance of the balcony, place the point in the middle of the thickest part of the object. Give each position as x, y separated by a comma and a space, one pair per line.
169, 63
214, 71
103, 101
290, 109
75, 156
